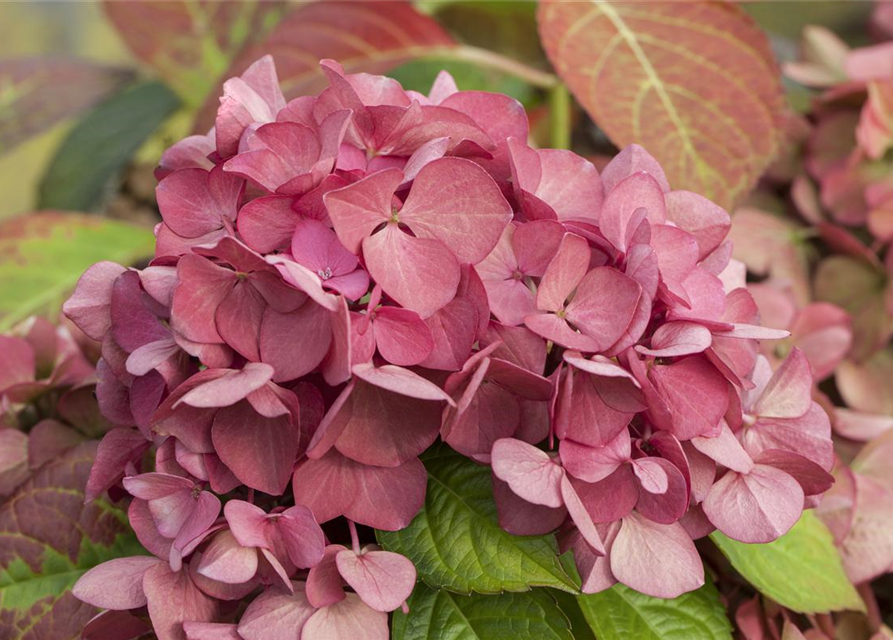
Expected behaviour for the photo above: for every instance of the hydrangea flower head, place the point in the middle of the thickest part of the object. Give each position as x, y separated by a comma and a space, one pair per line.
342, 279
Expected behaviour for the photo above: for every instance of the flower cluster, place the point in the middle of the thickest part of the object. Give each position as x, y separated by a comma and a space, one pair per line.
341, 279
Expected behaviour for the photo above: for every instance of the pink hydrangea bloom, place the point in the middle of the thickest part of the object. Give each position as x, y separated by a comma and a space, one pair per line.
403, 268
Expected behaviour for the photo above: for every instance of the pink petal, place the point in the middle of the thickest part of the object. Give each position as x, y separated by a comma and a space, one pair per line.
580, 516
324, 583
530, 472
630, 160
210, 631
567, 183
551, 327
755, 507
155, 486
335, 485
225, 560
242, 437
678, 339
194, 202
304, 540
658, 560
276, 615
350, 618
206, 510
582, 413
668, 505
419, 273
115, 584
382, 579
267, 223
812, 478
725, 450
401, 336
627, 204
604, 305
295, 354
229, 388
115, 625
173, 599
595, 463
88, 306
453, 330
788, 394
401, 381
707, 222
248, 523
303, 279
695, 392
609, 499
522, 518
357, 209
382, 427
564, 273
202, 287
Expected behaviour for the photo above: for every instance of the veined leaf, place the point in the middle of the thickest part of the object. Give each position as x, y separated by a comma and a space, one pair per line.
48, 539
43, 254
190, 43
801, 570
695, 83
36, 93
441, 615
101, 144
620, 613
456, 542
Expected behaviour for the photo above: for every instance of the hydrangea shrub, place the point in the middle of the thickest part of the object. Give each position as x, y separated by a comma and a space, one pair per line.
345, 279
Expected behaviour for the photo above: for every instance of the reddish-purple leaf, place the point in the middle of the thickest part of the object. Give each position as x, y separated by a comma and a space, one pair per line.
672, 69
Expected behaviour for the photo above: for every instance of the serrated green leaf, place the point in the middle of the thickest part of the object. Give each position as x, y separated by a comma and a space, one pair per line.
101, 144
456, 542
49, 538
441, 615
620, 613
43, 254
801, 570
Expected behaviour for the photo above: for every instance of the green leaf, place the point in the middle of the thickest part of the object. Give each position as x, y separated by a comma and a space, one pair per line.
456, 542
620, 613
50, 538
101, 145
441, 615
418, 75
43, 254
801, 570
36, 93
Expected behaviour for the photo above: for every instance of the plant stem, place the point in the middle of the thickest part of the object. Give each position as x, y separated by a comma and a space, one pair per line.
354, 537
493, 60
560, 117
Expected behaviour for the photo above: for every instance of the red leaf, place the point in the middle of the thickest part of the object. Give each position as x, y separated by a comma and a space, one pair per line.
695, 83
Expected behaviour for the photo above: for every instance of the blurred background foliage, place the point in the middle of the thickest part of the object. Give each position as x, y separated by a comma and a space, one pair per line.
84, 30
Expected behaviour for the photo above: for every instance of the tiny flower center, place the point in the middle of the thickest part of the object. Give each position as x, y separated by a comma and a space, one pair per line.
748, 420
325, 274
517, 275
395, 217
196, 492
561, 313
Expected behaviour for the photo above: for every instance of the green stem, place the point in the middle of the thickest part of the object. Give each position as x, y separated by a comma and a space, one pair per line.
560, 116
